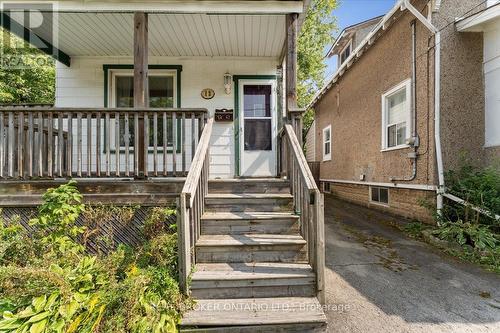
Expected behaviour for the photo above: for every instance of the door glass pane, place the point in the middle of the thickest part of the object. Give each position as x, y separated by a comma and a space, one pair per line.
258, 134
257, 101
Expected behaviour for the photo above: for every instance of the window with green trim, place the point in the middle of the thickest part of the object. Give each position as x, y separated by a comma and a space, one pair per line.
162, 94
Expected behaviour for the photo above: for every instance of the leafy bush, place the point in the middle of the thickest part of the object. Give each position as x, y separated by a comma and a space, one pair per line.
48, 283
466, 233
478, 187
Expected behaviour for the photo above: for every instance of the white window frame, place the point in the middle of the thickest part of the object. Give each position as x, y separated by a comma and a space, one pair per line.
406, 84
349, 45
327, 187
327, 157
379, 202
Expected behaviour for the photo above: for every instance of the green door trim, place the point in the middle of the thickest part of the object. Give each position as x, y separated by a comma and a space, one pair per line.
178, 68
236, 122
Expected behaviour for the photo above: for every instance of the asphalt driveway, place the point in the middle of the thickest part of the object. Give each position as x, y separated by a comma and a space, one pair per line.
379, 280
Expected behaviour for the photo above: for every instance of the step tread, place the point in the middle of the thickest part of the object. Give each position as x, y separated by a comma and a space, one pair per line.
248, 215
251, 271
250, 239
255, 311
248, 195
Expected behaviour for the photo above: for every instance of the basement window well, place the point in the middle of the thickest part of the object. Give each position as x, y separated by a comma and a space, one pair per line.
379, 195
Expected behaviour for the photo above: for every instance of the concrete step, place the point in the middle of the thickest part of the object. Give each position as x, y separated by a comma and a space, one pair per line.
249, 185
247, 280
256, 315
225, 223
253, 202
250, 248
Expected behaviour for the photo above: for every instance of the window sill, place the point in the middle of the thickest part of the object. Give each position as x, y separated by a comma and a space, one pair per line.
327, 159
379, 203
395, 148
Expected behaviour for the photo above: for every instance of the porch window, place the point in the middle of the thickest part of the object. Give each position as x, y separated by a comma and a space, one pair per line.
396, 116
327, 143
161, 95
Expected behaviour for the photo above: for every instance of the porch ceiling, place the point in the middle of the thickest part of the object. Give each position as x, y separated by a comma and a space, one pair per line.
111, 34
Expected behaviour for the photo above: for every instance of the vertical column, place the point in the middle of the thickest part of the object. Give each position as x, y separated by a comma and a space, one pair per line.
291, 61
141, 89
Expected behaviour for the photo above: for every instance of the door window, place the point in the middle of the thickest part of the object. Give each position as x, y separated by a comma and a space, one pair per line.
257, 117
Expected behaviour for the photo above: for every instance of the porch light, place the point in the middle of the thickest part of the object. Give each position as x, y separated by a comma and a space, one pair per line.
227, 83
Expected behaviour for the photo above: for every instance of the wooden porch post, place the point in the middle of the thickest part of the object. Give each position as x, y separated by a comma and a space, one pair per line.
141, 89
294, 115
291, 61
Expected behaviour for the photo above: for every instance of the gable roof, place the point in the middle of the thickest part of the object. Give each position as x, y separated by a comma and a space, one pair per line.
348, 32
392, 15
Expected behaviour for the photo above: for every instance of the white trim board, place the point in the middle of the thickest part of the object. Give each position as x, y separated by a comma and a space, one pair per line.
422, 187
180, 6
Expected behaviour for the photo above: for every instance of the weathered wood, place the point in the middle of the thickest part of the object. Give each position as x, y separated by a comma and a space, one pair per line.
256, 311
141, 89
291, 60
191, 205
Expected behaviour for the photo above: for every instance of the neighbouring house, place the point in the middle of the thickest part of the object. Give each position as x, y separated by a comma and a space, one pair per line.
186, 103
419, 92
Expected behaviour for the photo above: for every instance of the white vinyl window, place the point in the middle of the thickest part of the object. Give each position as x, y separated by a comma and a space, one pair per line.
345, 53
396, 116
327, 143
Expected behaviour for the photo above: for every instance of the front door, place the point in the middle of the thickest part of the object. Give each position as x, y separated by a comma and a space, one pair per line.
257, 128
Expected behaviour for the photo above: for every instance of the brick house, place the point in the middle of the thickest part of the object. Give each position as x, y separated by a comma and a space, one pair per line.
423, 66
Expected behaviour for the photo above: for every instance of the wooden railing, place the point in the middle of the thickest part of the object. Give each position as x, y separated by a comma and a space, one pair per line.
308, 203
70, 142
192, 205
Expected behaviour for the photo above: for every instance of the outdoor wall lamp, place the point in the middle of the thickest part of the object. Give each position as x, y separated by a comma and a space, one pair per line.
227, 83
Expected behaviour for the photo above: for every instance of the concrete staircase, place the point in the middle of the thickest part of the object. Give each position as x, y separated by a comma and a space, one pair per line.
251, 272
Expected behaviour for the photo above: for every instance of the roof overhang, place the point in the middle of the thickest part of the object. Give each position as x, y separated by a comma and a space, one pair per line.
478, 22
180, 6
176, 28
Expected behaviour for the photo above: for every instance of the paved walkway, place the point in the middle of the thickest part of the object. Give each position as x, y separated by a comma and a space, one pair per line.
378, 280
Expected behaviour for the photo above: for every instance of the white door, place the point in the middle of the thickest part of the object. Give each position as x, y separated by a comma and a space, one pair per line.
257, 128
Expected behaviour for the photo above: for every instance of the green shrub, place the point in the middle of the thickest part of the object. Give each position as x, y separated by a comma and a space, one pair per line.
48, 283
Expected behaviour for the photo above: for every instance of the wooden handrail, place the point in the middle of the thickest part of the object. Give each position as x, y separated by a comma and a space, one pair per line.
308, 203
191, 205
305, 172
194, 173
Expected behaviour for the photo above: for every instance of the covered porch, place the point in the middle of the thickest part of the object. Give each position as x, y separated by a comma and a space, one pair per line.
130, 85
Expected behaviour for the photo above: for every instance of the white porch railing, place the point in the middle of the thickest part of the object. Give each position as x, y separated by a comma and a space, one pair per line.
70, 142
308, 203
192, 205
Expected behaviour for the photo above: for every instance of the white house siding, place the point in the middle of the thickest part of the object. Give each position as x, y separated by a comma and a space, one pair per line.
492, 83
82, 85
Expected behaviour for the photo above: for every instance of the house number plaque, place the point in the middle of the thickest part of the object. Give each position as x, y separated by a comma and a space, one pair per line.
223, 115
207, 93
